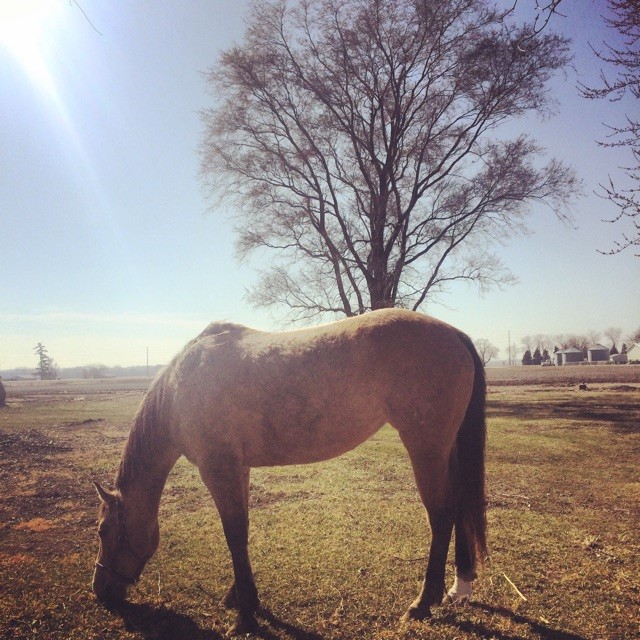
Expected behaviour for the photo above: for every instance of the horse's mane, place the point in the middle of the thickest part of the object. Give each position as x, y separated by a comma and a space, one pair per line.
219, 328
149, 435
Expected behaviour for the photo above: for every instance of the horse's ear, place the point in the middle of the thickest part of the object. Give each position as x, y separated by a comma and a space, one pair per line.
106, 497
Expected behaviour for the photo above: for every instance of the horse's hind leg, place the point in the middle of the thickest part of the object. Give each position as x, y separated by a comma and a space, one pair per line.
433, 481
433, 586
465, 569
229, 485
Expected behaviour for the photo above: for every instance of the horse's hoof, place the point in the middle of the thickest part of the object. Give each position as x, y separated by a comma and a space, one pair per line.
459, 593
416, 613
230, 601
244, 625
454, 600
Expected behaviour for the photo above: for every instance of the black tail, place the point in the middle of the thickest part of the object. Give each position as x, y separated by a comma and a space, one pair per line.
471, 517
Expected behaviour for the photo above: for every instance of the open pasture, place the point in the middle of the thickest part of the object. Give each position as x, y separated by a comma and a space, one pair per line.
338, 547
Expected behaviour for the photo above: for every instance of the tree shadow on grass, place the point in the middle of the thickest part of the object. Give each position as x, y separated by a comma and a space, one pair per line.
621, 416
485, 630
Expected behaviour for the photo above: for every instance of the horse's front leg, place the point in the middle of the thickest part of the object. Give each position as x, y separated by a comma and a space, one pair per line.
229, 486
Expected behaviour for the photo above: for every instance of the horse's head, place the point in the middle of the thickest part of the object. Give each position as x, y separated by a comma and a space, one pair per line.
126, 544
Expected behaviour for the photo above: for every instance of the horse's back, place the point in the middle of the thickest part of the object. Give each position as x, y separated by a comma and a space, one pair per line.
311, 394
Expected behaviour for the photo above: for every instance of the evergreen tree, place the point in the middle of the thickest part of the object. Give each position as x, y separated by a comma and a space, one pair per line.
526, 358
46, 369
537, 356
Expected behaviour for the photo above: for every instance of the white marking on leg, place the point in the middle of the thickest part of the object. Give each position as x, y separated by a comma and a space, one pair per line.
459, 592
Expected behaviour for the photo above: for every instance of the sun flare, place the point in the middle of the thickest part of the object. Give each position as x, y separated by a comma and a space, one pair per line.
25, 19
26, 27
28, 30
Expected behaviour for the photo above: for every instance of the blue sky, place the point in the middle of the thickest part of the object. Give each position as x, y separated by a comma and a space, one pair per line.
107, 248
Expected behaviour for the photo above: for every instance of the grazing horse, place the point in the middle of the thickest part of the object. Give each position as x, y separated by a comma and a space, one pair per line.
237, 398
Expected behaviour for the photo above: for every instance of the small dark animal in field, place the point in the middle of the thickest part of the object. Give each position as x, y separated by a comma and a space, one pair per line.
583, 387
236, 398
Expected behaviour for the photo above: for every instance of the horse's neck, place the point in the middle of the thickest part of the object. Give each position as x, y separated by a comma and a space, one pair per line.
146, 461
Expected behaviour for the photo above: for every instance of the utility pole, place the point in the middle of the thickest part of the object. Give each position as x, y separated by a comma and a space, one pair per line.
509, 345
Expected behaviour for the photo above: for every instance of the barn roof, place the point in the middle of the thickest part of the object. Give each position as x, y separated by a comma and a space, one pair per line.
598, 347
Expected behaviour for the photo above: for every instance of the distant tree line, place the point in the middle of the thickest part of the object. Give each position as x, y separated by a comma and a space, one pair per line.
536, 348
539, 348
47, 369
86, 372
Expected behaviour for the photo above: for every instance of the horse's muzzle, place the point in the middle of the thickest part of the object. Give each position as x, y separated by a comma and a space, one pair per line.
107, 591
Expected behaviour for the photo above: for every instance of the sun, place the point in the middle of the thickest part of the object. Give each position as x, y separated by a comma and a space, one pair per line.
28, 28
25, 27
25, 18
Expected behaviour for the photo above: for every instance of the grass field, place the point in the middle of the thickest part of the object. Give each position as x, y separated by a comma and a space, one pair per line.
339, 547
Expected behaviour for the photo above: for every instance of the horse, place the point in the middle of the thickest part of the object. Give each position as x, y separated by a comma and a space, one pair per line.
236, 398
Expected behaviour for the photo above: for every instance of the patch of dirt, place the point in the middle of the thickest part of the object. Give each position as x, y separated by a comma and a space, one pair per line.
505, 500
37, 525
29, 443
259, 497
47, 514
81, 423
15, 559
41, 495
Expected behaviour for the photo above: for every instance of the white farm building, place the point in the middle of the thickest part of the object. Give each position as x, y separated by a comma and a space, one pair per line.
633, 353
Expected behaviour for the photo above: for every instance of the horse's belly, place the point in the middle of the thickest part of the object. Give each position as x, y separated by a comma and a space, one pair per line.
300, 443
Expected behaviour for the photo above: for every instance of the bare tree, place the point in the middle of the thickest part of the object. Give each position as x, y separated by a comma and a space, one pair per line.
542, 341
527, 343
578, 341
593, 337
84, 13
486, 350
614, 334
358, 138
544, 10
623, 60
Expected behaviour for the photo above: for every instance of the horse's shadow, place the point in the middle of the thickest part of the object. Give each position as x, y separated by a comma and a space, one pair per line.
543, 631
155, 623
293, 631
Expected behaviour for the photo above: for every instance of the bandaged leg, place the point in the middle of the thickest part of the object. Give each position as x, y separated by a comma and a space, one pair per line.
459, 592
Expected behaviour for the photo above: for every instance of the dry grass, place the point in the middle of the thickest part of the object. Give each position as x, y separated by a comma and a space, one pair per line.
338, 547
